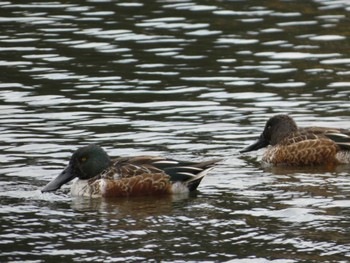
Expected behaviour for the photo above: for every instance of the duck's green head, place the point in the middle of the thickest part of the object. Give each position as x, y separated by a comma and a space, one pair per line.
85, 163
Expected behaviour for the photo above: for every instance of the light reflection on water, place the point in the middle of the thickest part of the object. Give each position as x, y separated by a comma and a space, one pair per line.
181, 79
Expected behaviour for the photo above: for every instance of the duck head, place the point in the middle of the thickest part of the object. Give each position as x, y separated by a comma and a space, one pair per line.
276, 129
85, 163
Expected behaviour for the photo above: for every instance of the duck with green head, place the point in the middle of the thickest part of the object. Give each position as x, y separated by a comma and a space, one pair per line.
99, 175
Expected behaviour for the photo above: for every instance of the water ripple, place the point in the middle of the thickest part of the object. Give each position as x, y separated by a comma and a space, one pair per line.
181, 79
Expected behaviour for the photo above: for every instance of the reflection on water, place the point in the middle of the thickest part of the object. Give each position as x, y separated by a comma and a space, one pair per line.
182, 79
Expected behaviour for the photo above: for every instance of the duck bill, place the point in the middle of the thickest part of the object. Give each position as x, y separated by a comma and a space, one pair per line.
64, 177
260, 143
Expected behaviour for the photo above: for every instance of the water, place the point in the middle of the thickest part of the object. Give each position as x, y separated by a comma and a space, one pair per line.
184, 79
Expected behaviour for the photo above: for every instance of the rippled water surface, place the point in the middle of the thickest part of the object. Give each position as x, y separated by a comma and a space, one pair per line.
186, 79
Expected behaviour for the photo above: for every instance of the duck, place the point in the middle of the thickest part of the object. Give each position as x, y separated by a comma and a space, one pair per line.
289, 144
101, 176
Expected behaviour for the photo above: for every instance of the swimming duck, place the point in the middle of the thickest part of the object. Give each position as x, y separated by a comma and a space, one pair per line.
291, 145
99, 175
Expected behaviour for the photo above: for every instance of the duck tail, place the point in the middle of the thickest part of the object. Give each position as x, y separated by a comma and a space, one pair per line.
342, 139
190, 174
205, 167
193, 183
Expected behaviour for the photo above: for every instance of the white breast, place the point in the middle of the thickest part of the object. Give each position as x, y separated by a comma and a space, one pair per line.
84, 188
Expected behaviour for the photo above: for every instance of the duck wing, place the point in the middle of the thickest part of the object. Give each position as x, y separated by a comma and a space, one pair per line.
190, 173
341, 137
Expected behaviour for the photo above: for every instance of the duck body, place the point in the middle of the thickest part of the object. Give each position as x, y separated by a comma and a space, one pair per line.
100, 176
291, 145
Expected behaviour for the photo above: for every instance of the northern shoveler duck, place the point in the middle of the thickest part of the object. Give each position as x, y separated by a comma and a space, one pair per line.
99, 175
291, 145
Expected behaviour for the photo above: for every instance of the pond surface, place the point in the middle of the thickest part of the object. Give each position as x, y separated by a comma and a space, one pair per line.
185, 79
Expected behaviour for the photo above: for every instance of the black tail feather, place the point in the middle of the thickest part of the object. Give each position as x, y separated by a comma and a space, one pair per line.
341, 139
192, 185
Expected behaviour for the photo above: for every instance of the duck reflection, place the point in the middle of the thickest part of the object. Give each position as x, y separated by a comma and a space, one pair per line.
135, 207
